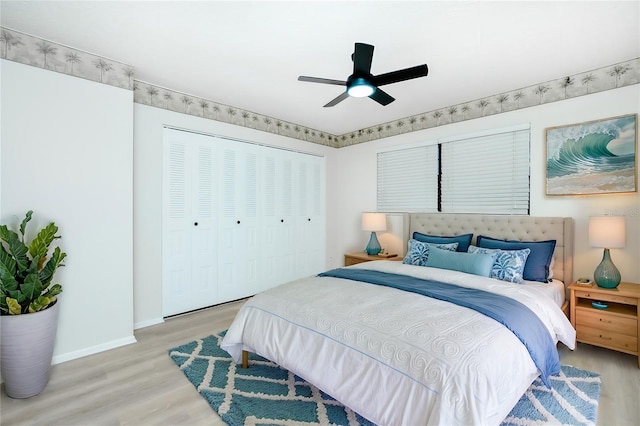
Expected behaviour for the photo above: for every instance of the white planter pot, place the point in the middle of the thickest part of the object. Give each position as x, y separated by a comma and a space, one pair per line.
26, 351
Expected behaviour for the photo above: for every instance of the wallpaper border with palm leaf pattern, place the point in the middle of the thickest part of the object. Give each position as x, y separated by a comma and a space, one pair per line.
161, 97
20, 47
38, 52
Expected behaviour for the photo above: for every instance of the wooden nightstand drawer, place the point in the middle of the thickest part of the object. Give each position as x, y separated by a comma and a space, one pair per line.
608, 339
606, 297
605, 321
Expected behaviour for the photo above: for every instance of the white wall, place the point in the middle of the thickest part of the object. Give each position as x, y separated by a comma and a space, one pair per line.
148, 124
353, 186
67, 154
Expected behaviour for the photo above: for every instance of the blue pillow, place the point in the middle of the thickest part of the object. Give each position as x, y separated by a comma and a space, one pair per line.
508, 264
419, 252
537, 267
477, 264
463, 240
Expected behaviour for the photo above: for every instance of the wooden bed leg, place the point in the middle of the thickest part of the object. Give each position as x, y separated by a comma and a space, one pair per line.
245, 359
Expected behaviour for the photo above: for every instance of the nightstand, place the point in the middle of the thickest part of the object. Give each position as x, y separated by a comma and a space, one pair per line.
361, 256
615, 327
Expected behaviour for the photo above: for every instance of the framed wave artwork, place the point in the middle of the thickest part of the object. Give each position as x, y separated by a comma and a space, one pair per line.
595, 157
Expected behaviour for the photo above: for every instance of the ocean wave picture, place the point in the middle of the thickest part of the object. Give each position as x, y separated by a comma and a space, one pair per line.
596, 157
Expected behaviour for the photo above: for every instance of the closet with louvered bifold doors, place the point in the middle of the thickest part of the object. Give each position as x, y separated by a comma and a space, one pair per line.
237, 218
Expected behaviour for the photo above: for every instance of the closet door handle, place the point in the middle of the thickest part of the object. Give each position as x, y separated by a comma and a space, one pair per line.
238, 222
309, 219
281, 220
195, 224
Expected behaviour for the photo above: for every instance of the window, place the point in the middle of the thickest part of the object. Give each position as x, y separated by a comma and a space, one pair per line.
408, 180
484, 173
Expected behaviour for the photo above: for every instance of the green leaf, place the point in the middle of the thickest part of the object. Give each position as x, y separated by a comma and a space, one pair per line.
53, 291
17, 295
23, 225
32, 287
46, 274
17, 249
4, 233
40, 244
14, 306
7, 278
39, 304
7, 260
34, 265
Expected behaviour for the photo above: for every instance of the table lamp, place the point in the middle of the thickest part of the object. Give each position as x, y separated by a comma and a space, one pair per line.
606, 232
374, 222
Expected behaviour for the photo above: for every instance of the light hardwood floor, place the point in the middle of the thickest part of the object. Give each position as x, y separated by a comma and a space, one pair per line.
139, 384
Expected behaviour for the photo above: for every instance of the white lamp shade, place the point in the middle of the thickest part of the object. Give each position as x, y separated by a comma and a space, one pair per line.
606, 231
374, 222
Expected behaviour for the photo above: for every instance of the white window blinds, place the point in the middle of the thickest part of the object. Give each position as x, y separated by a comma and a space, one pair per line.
486, 174
408, 180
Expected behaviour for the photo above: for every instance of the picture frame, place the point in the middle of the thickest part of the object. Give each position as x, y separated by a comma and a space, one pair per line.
594, 157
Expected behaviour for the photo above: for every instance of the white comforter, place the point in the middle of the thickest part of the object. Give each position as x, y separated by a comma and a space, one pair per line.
397, 358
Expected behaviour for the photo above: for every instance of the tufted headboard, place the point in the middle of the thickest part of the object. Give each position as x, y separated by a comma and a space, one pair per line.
523, 228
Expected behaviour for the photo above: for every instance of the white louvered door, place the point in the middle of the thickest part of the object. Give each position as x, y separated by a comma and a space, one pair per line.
284, 224
189, 249
270, 242
314, 220
239, 250
308, 215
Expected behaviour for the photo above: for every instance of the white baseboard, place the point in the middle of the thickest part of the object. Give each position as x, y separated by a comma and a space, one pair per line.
57, 359
148, 323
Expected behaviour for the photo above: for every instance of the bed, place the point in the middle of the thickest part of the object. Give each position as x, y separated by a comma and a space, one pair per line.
400, 357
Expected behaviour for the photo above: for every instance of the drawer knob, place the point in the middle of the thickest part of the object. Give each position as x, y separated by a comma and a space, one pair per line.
602, 320
605, 337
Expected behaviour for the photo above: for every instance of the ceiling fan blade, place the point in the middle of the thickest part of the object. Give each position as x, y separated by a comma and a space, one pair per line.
400, 75
340, 98
322, 80
362, 57
382, 97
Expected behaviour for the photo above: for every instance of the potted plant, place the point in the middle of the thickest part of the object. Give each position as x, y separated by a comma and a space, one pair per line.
28, 308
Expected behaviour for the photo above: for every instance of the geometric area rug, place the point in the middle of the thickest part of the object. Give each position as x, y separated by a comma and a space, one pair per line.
265, 393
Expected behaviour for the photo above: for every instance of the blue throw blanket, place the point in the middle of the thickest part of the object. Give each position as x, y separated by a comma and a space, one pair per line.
509, 312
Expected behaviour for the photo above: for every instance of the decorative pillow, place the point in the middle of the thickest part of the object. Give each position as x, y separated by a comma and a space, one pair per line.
463, 240
471, 263
419, 252
508, 265
537, 267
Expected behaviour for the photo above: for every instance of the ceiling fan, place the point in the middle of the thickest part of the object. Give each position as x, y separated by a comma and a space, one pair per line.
362, 83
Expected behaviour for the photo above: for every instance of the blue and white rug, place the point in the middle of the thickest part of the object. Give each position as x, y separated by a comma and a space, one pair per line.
267, 393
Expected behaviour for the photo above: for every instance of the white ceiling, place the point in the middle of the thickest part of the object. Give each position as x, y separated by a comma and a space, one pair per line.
249, 54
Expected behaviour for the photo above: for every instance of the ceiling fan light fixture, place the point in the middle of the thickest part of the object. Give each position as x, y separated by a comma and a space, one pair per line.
360, 88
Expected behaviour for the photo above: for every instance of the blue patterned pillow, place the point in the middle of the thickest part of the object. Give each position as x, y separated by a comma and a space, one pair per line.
538, 263
418, 252
508, 264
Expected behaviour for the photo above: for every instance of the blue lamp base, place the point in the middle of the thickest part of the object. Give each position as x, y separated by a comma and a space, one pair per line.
606, 274
373, 248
